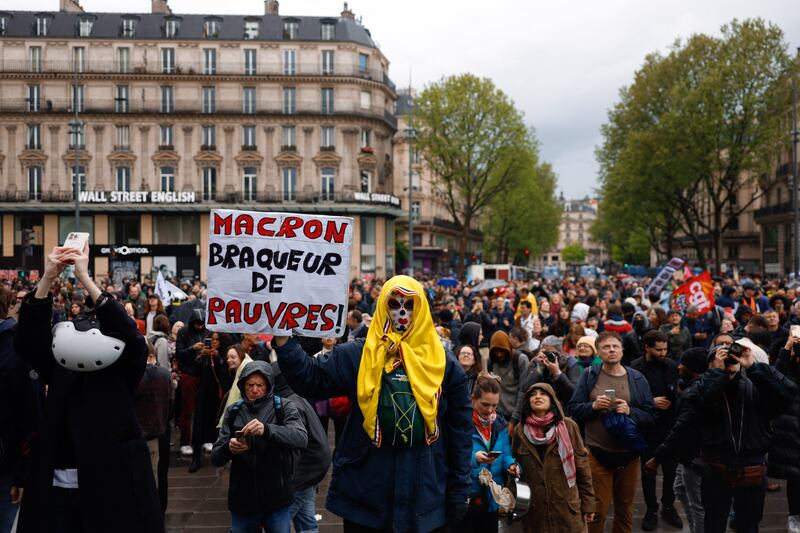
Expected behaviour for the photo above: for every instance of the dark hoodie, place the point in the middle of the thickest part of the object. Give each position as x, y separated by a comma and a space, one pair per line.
187, 337
261, 477
512, 370
469, 334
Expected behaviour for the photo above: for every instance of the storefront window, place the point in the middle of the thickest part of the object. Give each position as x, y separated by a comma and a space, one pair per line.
66, 224
123, 230
176, 229
367, 244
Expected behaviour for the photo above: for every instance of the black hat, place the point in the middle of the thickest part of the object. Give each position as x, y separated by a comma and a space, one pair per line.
695, 360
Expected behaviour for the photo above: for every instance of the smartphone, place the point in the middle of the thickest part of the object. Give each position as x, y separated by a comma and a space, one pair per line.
494, 454
794, 331
77, 240
207, 342
611, 393
238, 435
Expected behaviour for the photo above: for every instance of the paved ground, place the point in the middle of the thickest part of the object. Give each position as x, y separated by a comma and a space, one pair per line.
198, 504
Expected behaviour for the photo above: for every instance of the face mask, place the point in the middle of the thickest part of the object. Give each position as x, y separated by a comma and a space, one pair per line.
401, 312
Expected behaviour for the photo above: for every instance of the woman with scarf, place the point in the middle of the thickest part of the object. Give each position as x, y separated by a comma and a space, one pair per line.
489, 435
554, 462
403, 460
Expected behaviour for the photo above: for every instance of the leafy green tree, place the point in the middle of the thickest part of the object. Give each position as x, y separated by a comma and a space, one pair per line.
470, 136
525, 217
686, 146
573, 253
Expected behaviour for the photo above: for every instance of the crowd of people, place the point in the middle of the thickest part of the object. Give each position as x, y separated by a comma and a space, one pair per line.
438, 397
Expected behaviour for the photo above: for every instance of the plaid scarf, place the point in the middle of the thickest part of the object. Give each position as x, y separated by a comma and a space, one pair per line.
541, 431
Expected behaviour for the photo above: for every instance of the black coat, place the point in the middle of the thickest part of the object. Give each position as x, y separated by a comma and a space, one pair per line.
662, 376
93, 414
784, 451
714, 408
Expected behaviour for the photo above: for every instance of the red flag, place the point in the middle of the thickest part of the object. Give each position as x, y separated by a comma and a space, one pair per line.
699, 292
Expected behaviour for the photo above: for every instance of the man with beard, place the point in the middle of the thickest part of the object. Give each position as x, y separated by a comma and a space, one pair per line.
661, 374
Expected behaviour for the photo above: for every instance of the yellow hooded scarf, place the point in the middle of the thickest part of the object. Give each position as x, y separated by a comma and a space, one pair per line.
418, 349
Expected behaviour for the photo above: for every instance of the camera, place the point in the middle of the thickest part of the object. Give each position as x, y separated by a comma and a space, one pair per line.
551, 356
734, 349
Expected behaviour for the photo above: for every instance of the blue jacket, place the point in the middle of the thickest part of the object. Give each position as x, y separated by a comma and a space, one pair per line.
499, 468
400, 489
643, 410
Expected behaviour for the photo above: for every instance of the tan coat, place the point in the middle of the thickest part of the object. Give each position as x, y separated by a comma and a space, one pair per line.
555, 506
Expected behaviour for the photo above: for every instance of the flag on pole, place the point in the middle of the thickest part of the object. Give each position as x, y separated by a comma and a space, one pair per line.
167, 291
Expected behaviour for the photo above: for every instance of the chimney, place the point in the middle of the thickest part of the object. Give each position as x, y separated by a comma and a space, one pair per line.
160, 6
70, 6
347, 14
271, 7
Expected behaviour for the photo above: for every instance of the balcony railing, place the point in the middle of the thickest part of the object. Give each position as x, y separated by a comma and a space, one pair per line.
197, 69
193, 106
778, 209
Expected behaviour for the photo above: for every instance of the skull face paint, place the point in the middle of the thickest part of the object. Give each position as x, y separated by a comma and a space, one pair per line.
401, 311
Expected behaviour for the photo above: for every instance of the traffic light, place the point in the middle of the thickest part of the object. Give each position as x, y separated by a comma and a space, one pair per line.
527, 252
27, 241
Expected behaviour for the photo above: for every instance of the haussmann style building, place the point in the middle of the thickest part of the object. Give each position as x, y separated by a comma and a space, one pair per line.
181, 114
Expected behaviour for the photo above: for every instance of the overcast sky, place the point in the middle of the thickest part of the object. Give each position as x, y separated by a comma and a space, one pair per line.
562, 62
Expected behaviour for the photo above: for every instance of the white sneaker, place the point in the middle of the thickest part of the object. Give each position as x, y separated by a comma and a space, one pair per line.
794, 524
186, 451
207, 447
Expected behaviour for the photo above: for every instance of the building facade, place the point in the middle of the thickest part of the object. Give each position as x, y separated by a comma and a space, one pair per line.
775, 220
576, 219
181, 114
436, 237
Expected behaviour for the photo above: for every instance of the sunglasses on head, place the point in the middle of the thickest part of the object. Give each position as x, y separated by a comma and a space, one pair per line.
395, 304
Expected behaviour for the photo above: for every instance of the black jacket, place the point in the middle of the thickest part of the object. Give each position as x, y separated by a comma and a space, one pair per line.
729, 421
261, 477
187, 337
784, 451
19, 408
662, 376
90, 424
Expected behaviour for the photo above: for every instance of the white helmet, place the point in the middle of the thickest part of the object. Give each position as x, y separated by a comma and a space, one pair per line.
84, 351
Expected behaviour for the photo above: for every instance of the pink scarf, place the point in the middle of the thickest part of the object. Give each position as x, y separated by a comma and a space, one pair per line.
534, 430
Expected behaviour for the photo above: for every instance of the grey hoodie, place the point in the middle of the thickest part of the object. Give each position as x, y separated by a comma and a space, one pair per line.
261, 477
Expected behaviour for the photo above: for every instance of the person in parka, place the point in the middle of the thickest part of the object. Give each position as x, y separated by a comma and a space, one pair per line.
391, 472
554, 463
260, 490
92, 464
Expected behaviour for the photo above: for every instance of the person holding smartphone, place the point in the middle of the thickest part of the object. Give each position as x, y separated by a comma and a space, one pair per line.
491, 450
92, 465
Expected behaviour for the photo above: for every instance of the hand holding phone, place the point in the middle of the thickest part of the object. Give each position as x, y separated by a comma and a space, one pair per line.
77, 240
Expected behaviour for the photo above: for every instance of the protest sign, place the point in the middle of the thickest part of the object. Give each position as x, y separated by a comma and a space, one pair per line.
278, 273
665, 276
698, 291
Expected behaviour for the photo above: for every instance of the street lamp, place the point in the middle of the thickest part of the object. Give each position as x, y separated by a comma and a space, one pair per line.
411, 135
76, 131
